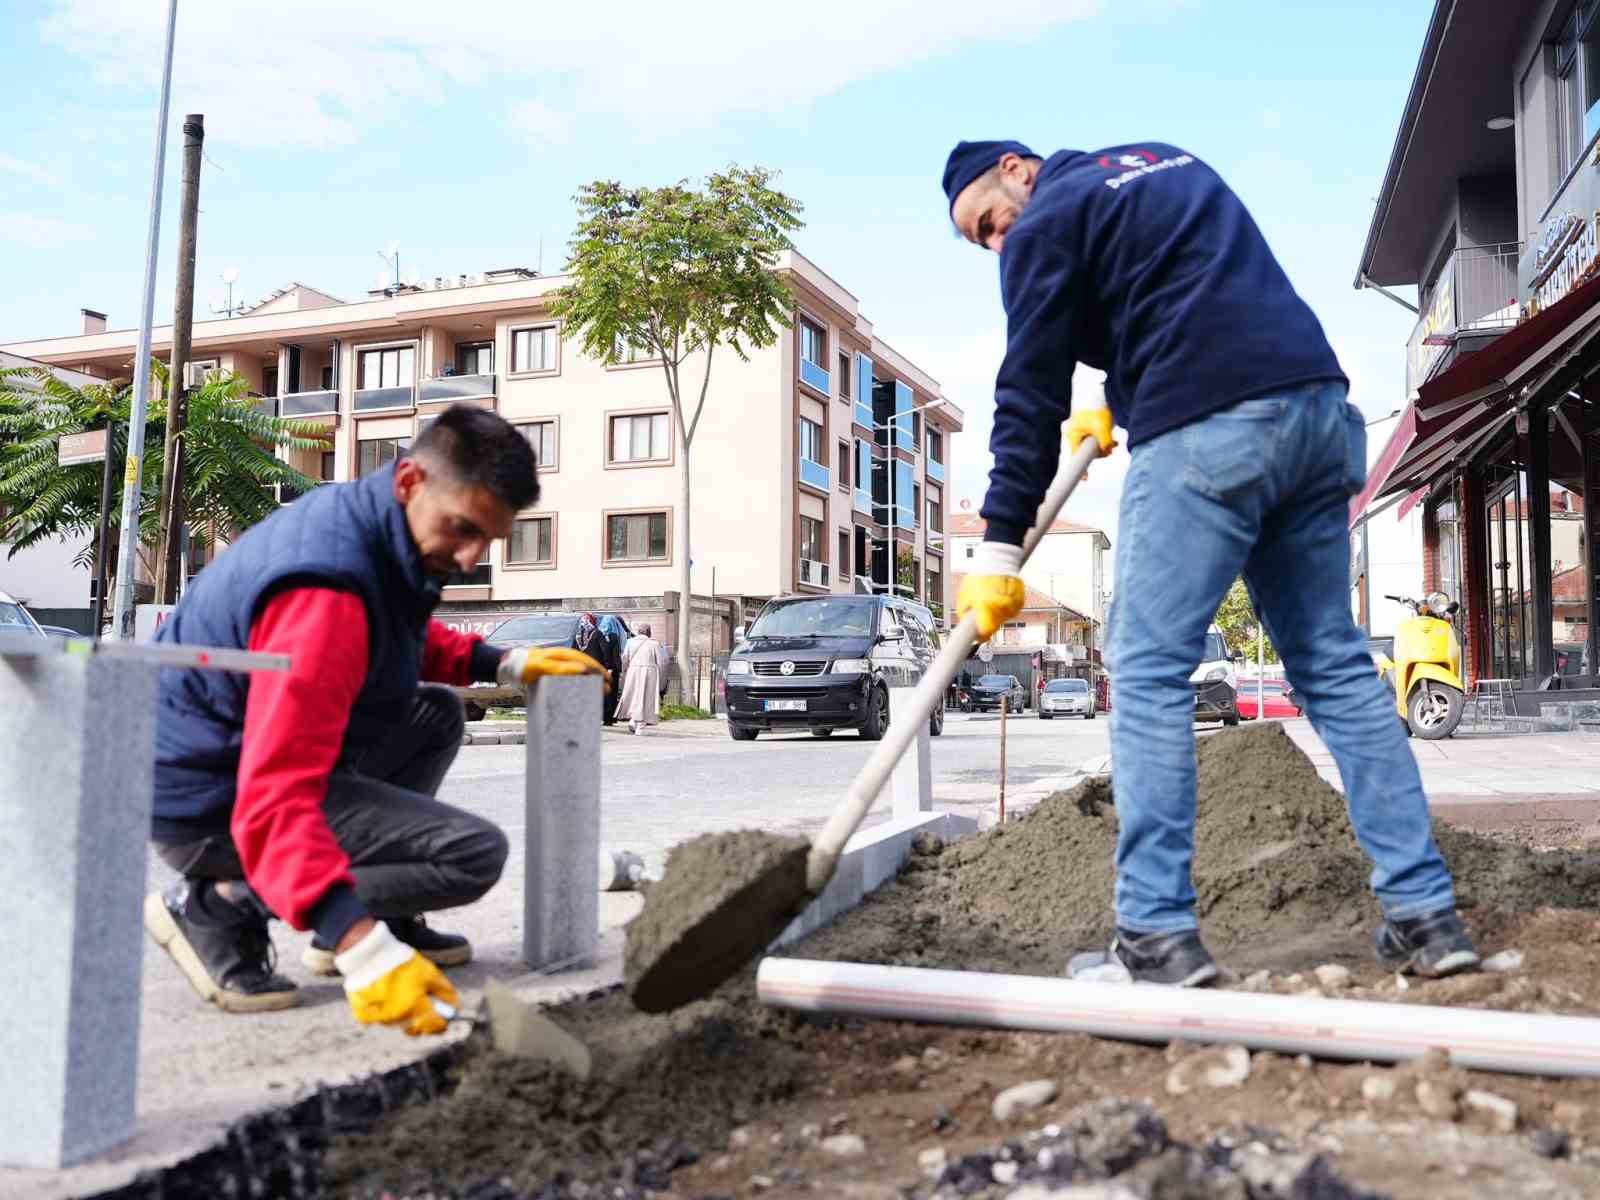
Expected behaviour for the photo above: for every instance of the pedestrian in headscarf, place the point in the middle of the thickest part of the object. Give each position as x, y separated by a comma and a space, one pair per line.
641, 682
614, 635
591, 641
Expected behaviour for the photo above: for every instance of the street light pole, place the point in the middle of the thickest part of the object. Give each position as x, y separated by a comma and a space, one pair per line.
893, 556
132, 476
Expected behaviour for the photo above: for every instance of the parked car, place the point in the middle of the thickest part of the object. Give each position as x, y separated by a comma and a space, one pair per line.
1214, 682
827, 662
61, 631
536, 629
14, 618
1066, 698
989, 690
1276, 698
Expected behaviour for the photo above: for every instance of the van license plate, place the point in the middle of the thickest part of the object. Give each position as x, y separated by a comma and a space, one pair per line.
786, 705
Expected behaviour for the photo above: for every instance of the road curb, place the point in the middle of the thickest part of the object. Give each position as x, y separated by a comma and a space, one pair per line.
493, 737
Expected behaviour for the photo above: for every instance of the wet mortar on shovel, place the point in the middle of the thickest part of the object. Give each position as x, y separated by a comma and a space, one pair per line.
725, 1097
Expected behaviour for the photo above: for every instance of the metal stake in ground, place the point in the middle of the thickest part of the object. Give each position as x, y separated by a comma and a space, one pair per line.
722, 901
1004, 704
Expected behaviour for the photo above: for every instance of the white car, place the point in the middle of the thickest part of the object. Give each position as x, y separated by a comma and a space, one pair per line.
1066, 698
16, 619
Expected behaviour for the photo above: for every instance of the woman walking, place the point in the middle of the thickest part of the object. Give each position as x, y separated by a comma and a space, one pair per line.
640, 705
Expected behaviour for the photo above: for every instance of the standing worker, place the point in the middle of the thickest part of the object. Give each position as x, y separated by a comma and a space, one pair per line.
1139, 261
308, 794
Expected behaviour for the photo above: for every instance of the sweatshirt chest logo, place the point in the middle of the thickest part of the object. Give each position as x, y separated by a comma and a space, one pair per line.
1136, 164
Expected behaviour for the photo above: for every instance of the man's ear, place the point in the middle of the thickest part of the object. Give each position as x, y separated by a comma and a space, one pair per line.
409, 475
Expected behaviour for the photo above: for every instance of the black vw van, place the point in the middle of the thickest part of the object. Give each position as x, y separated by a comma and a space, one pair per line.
827, 662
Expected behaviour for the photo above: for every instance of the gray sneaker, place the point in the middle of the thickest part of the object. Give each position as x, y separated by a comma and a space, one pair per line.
223, 950
1433, 946
1178, 959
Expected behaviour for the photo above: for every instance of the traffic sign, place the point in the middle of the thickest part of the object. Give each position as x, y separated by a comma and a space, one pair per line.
986, 653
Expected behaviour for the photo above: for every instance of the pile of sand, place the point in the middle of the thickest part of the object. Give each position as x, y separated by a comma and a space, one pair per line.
1281, 883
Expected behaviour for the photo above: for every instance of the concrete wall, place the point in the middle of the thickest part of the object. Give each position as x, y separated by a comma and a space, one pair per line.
44, 576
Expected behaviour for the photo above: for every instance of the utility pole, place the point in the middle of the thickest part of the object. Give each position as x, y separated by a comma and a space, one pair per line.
170, 515
132, 476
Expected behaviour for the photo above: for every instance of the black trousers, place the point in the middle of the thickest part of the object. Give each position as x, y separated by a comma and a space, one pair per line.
409, 853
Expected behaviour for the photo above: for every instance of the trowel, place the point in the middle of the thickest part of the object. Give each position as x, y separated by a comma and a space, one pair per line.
520, 1030
684, 964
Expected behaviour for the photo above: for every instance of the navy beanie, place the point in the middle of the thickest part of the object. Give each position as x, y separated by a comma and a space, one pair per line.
971, 159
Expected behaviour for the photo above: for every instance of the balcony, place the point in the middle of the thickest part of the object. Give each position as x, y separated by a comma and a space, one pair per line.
309, 404
935, 539
814, 376
863, 413
863, 502
814, 475
813, 573
1474, 300
934, 470
368, 399
456, 387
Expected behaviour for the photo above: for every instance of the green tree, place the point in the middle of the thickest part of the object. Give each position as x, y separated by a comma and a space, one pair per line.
229, 478
1237, 620
671, 274
906, 570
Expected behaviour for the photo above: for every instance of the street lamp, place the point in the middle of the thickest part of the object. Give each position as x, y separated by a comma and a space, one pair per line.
891, 556
1381, 420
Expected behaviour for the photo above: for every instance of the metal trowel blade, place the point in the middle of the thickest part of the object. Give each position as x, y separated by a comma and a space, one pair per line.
522, 1031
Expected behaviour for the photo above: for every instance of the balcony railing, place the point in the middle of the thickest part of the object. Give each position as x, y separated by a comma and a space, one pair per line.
863, 502
934, 470
309, 404
863, 413
385, 397
813, 573
935, 537
814, 376
1476, 293
456, 387
814, 474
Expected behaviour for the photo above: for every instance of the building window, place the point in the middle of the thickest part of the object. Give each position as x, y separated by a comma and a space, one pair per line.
844, 569
811, 535
481, 575
628, 350
541, 437
394, 366
845, 386
935, 512
636, 537
916, 427
843, 466
376, 452
916, 497
325, 467
810, 440
327, 380
533, 349
640, 437
813, 343
475, 358
935, 445
935, 593
532, 542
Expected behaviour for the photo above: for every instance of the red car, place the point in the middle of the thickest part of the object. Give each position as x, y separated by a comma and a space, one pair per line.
1275, 695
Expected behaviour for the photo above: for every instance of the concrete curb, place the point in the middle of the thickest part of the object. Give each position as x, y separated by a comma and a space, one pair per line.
486, 735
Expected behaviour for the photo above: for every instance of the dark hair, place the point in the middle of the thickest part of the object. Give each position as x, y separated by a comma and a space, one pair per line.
477, 448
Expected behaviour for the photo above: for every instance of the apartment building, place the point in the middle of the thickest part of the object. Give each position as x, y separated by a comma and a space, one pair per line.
1490, 206
812, 458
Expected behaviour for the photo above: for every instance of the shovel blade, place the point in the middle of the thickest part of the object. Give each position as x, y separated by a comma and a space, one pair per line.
521, 1031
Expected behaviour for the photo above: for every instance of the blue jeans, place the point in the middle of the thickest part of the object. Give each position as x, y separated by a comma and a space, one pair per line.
1261, 489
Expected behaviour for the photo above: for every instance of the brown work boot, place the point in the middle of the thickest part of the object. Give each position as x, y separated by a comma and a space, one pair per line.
223, 949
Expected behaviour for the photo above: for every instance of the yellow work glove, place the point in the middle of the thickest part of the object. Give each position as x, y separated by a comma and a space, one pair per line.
1086, 423
526, 664
992, 590
389, 983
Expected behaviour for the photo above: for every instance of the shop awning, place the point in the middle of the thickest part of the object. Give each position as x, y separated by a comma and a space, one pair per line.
1467, 402
1399, 442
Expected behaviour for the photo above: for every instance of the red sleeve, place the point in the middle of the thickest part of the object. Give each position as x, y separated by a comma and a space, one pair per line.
447, 655
293, 727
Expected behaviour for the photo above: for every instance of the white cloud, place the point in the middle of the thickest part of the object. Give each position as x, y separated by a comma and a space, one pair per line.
539, 123
306, 72
40, 233
17, 166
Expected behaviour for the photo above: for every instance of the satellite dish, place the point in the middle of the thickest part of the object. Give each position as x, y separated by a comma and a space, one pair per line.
966, 504
231, 275
392, 249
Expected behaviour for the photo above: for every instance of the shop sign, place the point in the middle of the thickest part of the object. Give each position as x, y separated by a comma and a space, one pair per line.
1565, 258
1437, 328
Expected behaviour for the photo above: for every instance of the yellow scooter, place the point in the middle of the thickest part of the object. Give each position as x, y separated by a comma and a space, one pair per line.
1425, 674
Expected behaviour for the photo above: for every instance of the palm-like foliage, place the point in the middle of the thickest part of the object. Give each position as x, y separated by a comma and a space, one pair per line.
229, 473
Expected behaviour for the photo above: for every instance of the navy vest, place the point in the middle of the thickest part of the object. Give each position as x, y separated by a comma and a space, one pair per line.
351, 536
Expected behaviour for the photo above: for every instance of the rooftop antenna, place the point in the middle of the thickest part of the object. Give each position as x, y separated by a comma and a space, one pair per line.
228, 308
391, 255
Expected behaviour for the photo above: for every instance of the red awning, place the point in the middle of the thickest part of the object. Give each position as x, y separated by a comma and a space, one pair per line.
1472, 398
1399, 440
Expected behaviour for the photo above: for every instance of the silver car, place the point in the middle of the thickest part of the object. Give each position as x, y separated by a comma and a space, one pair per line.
1067, 698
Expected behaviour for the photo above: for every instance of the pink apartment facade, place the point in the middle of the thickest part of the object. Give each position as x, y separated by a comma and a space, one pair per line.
810, 460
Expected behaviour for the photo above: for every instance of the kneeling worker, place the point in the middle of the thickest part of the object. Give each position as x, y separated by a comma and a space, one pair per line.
308, 794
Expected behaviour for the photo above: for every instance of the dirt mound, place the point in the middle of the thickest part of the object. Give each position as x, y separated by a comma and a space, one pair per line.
1281, 884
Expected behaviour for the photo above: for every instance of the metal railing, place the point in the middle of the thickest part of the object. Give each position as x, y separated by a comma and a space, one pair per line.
813, 573
814, 376
309, 404
456, 387
1476, 293
385, 397
814, 474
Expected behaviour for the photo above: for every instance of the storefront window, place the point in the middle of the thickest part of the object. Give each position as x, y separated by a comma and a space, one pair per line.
1570, 582
1510, 572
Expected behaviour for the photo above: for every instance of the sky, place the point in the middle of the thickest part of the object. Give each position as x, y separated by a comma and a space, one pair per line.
462, 131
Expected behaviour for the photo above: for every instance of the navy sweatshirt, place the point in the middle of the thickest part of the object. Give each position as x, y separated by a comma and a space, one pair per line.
1138, 261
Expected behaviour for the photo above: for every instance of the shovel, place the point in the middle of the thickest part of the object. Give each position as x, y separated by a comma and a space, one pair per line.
672, 960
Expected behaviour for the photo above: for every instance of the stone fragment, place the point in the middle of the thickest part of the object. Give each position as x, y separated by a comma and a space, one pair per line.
1214, 1067
1022, 1098
1437, 1098
1506, 960
1502, 1113
1377, 1089
844, 1145
932, 1161
1333, 977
